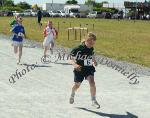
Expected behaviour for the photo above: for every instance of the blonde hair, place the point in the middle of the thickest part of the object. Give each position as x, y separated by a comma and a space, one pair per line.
90, 35
49, 22
16, 17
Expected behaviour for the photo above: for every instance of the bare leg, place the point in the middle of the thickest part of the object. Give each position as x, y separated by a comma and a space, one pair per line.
51, 47
93, 91
16, 52
45, 50
92, 85
15, 49
20, 53
74, 89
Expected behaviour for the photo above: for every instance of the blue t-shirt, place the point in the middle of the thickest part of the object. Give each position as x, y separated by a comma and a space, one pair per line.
18, 30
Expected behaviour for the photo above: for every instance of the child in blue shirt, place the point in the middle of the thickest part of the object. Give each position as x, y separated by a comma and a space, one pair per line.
18, 35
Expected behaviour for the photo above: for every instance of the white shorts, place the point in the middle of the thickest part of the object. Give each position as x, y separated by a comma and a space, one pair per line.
47, 41
16, 43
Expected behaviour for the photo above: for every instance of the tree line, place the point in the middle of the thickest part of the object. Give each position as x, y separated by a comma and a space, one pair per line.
10, 5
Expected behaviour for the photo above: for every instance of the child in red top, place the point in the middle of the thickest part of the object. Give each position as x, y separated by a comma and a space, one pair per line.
50, 35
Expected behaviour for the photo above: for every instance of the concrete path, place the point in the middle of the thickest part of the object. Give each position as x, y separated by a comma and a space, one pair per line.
44, 90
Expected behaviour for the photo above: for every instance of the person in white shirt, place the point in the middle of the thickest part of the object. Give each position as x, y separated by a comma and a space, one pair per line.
50, 35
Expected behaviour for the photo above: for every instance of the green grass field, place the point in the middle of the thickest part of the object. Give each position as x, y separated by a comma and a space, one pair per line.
125, 40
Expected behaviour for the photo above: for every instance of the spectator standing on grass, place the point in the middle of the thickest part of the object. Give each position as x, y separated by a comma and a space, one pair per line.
39, 16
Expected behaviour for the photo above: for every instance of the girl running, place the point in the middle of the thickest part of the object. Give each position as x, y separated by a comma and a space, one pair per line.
18, 35
84, 61
50, 34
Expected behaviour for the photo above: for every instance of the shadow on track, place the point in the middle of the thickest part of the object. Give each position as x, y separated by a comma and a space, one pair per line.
129, 115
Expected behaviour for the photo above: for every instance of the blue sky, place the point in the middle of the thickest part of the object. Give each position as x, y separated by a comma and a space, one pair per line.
63, 1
